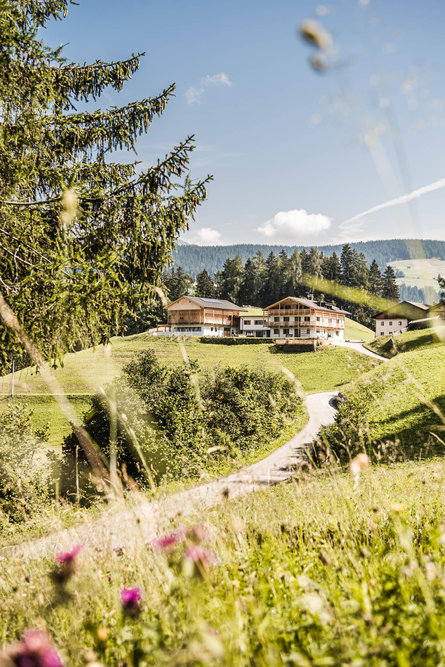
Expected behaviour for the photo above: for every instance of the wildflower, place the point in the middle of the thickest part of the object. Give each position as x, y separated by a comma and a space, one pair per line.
131, 601
167, 543
66, 564
34, 650
119, 551
198, 560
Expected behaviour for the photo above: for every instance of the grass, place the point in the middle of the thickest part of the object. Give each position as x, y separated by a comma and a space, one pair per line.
309, 573
84, 372
388, 347
420, 272
402, 400
357, 331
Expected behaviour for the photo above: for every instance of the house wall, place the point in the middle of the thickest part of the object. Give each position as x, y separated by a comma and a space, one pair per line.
197, 330
384, 326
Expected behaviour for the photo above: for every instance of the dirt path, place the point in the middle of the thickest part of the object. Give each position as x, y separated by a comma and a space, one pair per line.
114, 530
358, 346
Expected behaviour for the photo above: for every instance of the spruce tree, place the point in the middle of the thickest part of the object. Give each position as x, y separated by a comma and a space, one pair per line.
205, 286
230, 279
390, 289
83, 239
177, 283
375, 279
248, 292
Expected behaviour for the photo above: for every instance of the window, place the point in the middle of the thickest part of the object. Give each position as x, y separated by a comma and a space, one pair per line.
400, 323
276, 331
308, 331
287, 307
382, 324
258, 321
390, 324
318, 319
276, 319
286, 319
246, 321
307, 318
285, 331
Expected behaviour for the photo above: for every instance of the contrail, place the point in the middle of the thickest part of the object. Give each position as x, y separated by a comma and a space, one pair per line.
403, 199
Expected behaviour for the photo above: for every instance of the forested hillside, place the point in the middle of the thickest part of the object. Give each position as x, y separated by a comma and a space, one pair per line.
194, 258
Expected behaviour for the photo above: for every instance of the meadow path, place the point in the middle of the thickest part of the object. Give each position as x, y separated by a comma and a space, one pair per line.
358, 346
151, 518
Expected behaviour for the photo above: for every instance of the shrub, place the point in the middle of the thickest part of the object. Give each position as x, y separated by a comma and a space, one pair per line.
26, 465
175, 422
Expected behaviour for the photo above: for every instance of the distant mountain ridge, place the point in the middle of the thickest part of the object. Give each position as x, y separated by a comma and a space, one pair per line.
195, 258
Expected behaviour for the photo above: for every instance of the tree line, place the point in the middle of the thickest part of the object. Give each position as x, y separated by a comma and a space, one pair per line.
261, 281
194, 258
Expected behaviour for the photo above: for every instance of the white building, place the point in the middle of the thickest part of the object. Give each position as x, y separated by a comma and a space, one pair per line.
252, 323
397, 318
196, 316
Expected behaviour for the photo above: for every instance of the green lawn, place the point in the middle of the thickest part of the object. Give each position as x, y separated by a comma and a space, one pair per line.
356, 331
84, 372
315, 572
388, 347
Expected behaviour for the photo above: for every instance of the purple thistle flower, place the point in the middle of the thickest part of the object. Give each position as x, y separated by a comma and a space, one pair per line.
65, 565
131, 601
64, 557
34, 650
168, 542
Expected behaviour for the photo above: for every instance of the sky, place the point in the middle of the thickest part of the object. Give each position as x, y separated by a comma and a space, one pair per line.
297, 154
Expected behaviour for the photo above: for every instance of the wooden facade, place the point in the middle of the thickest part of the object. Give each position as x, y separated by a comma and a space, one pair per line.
302, 318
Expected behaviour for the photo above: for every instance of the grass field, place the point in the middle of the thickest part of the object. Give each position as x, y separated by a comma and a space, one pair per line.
402, 400
388, 347
420, 272
357, 331
84, 372
315, 572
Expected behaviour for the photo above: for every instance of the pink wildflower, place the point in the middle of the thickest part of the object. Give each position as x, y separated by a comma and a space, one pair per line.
200, 557
66, 564
197, 533
167, 543
131, 601
34, 650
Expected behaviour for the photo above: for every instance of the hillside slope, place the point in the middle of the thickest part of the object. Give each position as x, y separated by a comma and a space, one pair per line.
356, 331
194, 258
84, 372
388, 347
403, 400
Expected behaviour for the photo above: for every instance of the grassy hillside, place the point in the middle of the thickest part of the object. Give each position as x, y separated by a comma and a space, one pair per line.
357, 331
402, 400
333, 575
406, 342
84, 372
420, 272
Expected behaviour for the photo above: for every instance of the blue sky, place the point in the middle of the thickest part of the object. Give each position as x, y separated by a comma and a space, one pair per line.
294, 153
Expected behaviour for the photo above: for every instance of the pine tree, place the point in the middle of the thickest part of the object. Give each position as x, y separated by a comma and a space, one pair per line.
375, 279
205, 286
347, 266
248, 292
294, 275
177, 283
230, 279
82, 239
331, 268
390, 289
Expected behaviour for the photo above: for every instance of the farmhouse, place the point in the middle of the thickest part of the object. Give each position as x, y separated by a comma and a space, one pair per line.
397, 318
293, 317
195, 316
251, 322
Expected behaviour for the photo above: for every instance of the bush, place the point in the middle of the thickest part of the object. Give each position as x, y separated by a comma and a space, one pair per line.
26, 465
175, 422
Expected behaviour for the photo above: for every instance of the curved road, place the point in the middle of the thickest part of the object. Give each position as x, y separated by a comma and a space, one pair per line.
149, 519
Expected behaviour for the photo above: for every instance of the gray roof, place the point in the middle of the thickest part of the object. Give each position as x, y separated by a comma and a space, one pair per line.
423, 306
218, 304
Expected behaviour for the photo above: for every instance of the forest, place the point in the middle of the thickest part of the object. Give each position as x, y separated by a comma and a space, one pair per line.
194, 258
261, 281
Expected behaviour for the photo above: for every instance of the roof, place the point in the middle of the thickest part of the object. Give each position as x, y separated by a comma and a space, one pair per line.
311, 304
251, 311
407, 309
219, 304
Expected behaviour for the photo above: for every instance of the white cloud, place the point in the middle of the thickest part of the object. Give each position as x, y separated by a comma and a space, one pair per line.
194, 93
294, 225
206, 236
